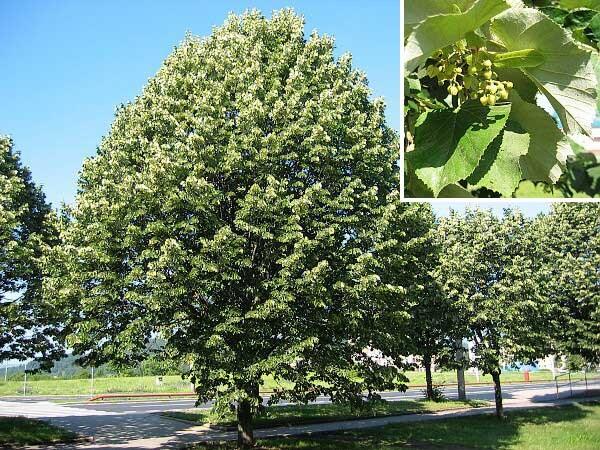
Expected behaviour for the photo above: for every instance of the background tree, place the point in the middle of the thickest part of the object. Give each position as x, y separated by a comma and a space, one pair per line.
570, 241
230, 211
26, 230
420, 320
488, 268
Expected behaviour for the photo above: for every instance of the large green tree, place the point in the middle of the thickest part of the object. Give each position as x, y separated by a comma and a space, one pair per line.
488, 270
570, 242
230, 210
26, 230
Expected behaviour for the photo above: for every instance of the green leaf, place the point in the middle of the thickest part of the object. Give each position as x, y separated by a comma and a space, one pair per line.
566, 77
579, 18
415, 188
556, 14
499, 168
522, 84
596, 64
548, 147
594, 174
592, 31
573, 4
577, 146
518, 59
416, 11
412, 84
439, 31
449, 144
475, 39
580, 35
455, 191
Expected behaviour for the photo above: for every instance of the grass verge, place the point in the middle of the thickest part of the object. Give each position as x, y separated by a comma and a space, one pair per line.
276, 416
174, 383
574, 427
17, 431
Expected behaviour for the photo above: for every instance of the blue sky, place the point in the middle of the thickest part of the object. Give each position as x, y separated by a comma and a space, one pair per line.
67, 64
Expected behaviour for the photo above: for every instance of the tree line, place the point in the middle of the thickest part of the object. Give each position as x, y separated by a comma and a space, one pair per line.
246, 210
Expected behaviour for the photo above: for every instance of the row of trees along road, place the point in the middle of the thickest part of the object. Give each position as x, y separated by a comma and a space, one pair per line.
27, 230
245, 209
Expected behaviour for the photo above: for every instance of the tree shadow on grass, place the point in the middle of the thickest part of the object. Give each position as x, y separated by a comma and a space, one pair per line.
299, 414
466, 433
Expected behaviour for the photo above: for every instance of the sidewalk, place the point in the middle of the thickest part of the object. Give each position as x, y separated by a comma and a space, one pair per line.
46, 410
181, 436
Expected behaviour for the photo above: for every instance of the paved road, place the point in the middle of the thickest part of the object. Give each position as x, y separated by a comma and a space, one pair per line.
477, 392
480, 392
135, 425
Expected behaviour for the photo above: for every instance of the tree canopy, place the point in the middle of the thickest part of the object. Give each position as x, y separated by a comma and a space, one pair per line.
230, 210
569, 238
419, 321
27, 327
488, 271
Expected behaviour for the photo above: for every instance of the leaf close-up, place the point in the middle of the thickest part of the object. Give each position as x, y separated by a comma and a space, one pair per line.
499, 168
441, 30
533, 68
566, 77
449, 144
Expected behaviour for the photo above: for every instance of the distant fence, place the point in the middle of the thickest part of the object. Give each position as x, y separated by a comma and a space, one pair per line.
573, 381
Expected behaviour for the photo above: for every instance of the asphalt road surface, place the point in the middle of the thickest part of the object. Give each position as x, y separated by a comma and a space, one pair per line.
478, 392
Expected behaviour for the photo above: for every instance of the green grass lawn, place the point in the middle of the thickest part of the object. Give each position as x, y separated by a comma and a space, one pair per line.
574, 427
174, 383
108, 385
305, 414
22, 431
101, 385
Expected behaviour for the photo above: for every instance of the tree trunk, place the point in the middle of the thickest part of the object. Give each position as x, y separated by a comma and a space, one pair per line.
245, 417
498, 394
245, 432
460, 379
428, 379
460, 371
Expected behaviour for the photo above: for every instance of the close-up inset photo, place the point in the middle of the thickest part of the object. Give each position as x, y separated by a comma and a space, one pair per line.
501, 99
